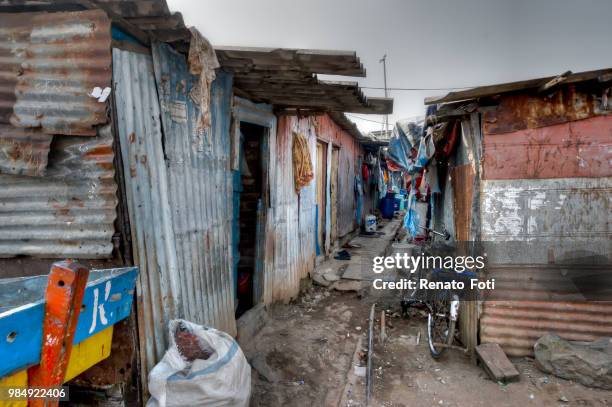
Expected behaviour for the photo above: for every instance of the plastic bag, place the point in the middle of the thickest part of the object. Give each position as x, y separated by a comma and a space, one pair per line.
411, 220
202, 367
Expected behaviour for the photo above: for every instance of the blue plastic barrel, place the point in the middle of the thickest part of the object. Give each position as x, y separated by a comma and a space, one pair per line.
387, 207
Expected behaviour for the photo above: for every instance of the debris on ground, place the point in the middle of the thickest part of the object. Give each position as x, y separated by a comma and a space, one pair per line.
496, 363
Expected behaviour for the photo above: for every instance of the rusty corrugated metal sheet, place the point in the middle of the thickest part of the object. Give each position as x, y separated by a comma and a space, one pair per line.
524, 111
69, 212
292, 225
200, 186
462, 181
531, 229
50, 63
293, 241
517, 324
23, 151
350, 150
574, 149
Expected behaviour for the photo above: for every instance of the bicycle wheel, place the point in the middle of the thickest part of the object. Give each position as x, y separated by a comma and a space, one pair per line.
441, 322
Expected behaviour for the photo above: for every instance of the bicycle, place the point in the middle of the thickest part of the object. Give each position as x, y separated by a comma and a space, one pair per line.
444, 313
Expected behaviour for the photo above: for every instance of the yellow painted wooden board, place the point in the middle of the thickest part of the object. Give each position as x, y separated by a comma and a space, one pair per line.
84, 355
89, 352
19, 379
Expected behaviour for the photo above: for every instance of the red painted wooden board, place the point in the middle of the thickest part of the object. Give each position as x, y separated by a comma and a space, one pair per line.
580, 148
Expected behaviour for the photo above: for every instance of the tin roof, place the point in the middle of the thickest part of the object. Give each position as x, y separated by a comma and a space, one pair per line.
600, 75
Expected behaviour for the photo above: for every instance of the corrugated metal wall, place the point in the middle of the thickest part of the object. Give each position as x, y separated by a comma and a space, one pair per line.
293, 223
545, 199
293, 228
350, 150
60, 197
178, 185
200, 189
69, 212
51, 62
139, 128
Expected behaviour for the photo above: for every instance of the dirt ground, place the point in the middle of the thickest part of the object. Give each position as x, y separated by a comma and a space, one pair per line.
306, 353
304, 357
406, 375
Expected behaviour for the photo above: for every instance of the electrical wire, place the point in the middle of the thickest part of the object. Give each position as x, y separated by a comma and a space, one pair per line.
361, 118
416, 89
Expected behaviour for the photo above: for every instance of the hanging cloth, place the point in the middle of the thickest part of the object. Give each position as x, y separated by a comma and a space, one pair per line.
302, 165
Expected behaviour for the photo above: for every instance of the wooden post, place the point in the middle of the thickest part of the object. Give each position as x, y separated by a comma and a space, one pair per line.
64, 296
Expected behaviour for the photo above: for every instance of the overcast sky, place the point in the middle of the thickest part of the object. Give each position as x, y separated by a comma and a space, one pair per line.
429, 44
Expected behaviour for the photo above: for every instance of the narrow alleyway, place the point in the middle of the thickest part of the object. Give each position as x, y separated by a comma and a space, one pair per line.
306, 353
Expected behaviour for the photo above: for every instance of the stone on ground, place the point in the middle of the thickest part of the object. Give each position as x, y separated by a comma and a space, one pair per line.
589, 364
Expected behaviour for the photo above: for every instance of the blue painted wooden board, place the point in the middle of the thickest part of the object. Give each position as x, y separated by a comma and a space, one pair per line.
107, 300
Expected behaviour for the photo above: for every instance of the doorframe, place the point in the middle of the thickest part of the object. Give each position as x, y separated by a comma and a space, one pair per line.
261, 114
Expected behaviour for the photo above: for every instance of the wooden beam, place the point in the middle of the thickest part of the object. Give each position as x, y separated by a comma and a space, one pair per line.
554, 82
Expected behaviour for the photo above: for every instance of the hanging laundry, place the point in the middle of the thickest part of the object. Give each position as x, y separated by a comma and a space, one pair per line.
393, 166
448, 143
365, 173
302, 165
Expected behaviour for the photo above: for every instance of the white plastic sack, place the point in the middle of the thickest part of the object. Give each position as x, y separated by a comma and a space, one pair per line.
224, 379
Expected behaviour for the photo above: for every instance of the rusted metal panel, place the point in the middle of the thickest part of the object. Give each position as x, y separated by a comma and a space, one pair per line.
462, 181
69, 213
23, 151
199, 181
293, 216
525, 111
574, 149
531, 230
517, 325
348, 159
51, 63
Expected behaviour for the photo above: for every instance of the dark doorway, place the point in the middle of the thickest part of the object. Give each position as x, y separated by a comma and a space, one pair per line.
249, 187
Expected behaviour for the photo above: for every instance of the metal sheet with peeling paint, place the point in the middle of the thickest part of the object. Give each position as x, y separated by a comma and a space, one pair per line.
23, 151
293, 220
68, 213
147, 190
199, 180
51, 62
178, 185
580, 148
531, 229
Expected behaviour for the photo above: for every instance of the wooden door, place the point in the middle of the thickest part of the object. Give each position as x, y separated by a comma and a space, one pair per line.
321, 179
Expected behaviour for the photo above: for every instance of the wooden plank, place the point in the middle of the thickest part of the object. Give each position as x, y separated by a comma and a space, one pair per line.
89, 352
496, 363
18, 379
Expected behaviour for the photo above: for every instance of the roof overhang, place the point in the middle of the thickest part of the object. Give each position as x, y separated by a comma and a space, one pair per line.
600, 75
287, 79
